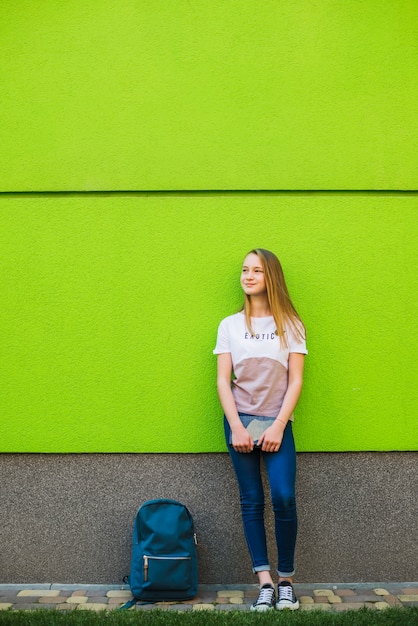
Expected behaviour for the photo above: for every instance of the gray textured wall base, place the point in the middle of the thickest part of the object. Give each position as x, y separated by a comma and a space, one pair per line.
68, 518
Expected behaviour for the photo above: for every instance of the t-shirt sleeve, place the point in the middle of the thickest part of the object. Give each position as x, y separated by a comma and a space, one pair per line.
223, 343
295, 344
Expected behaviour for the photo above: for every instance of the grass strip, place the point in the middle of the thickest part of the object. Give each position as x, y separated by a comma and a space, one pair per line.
157, 617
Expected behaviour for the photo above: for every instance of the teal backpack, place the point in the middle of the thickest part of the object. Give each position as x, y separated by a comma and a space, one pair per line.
164, 555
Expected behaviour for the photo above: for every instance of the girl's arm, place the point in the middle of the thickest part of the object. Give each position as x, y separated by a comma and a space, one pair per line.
272, 437
241, 438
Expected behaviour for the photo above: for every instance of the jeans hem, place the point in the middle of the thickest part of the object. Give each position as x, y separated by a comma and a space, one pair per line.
286, 574
261, 568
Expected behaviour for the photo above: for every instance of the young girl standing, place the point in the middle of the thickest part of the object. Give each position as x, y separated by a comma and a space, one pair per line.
262, 349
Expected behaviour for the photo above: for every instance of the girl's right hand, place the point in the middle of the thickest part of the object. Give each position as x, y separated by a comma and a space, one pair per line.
242, 440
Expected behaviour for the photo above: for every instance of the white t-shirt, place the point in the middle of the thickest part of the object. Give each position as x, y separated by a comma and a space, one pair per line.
260, 364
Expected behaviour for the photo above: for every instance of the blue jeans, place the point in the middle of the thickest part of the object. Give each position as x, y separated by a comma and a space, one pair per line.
281, 472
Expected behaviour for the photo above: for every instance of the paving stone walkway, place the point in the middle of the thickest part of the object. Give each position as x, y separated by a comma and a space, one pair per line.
327, 597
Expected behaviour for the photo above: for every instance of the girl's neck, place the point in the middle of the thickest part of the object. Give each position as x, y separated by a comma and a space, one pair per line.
259, 307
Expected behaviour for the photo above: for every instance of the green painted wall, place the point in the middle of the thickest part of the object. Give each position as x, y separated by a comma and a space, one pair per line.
209, 116
219, 94
110, 306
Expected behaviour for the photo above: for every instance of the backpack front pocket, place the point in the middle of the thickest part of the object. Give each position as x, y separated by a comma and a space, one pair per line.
167, 572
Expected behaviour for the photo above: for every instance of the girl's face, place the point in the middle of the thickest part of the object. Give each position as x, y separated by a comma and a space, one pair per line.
252, 276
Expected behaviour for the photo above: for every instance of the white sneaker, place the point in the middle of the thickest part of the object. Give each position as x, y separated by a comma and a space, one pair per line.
266, 599
286, 597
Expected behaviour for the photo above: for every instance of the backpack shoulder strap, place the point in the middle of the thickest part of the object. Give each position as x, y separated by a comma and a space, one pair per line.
128, 605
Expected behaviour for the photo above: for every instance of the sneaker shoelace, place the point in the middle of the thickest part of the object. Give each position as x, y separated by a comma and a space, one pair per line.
286, 592
266, 595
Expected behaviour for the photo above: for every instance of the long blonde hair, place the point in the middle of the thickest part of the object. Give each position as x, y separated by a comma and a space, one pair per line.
281, 306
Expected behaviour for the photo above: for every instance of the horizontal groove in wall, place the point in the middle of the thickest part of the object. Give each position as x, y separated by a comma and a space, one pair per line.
201, 192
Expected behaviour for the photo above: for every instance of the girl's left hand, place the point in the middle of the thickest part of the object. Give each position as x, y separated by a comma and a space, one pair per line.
271, 439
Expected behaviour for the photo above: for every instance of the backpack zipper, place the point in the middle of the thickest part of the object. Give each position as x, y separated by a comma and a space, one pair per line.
146, 558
